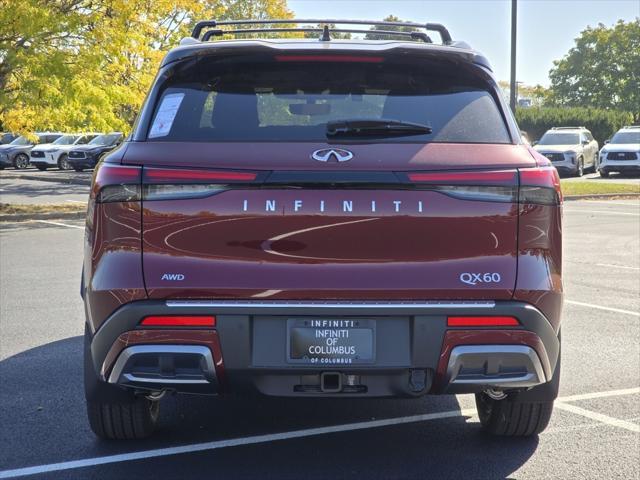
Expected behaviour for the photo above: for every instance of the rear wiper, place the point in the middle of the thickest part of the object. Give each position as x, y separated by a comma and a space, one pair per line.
375, 127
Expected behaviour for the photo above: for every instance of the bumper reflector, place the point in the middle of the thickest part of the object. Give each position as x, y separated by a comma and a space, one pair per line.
482, 322
179, 321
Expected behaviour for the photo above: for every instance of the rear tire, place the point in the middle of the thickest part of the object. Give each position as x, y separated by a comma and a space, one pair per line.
515, 419
115, 413
580, 168
123, 421
604, 174
78, 169
63, 163
42, 168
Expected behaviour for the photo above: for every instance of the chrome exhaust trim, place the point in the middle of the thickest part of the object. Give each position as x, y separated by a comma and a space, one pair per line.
494, 367
183, 368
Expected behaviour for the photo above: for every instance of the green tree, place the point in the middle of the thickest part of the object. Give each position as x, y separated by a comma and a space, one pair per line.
538, 94
389, 18
87, 64
602, 70
334, 35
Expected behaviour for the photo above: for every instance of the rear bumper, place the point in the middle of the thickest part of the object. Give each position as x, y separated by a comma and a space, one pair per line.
416, 353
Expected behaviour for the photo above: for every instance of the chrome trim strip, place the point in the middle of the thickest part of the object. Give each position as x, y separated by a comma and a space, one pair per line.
129, 352
490, 358
337, 305
165, 381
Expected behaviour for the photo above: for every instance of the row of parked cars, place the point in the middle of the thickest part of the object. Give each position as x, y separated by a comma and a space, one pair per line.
573, 151
65, 151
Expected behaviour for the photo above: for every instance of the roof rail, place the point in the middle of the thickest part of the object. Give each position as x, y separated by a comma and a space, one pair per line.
210, 26
631, 126
568, 128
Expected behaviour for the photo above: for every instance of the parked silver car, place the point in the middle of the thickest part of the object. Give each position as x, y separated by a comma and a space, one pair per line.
572, 150
621, 153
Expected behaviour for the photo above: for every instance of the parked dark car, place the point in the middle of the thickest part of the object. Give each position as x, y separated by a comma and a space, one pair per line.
87, 156
317, 218
16, 153
6, 138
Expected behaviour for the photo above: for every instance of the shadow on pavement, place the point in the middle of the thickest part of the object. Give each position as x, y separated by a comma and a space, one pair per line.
43, 420
39, 189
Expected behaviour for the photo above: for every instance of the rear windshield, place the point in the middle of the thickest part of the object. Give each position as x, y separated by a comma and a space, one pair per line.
267, 100
560, 139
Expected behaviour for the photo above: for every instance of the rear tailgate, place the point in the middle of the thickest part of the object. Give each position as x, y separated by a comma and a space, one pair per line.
410, 230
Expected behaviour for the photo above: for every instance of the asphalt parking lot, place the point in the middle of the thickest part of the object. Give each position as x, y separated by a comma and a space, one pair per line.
594, 433
50, 187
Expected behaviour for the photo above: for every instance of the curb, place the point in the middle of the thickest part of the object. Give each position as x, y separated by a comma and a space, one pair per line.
71, 181
603, 196
19, 217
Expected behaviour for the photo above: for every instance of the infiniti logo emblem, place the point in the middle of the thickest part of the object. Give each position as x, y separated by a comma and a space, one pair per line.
325, 155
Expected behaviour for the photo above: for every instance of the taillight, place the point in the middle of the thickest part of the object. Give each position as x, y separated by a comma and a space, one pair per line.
540, 186
507, 177
163, 175
179, 321
174, 184
494, 321
116, 183
489, 186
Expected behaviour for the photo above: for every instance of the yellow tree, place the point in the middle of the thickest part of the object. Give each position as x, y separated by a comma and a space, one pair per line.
87, 64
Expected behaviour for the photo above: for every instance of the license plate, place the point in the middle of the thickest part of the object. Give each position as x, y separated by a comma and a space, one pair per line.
331, 341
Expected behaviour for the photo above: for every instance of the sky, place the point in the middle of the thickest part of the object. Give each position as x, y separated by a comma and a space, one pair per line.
546, 28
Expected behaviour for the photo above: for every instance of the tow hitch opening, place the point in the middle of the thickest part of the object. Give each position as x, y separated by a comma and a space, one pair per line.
330, 382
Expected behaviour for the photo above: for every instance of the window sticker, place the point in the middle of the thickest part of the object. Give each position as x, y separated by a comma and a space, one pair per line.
166, 114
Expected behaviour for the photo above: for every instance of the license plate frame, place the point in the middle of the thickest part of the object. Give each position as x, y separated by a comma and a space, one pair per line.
360, 334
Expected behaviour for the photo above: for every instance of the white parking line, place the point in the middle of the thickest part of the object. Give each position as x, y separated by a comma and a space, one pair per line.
607, 202
614, 422
349, 427
234, 442
60, 224
608, 212
600, 307
594, 395
616, 266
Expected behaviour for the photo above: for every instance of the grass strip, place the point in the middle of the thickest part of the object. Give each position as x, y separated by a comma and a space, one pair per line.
14, 208
594, 188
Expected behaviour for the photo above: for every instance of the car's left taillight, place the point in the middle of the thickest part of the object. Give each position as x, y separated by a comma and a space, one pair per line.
116, 183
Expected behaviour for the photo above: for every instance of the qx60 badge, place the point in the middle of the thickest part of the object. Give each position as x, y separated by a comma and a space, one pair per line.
328, 154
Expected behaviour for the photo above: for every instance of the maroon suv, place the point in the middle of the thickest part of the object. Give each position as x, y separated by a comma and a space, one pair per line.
328, 218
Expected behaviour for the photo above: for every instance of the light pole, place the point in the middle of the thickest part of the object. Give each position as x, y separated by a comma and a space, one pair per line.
514, 27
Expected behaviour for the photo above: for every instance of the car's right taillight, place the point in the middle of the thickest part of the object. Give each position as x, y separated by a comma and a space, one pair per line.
481, 185
540, 186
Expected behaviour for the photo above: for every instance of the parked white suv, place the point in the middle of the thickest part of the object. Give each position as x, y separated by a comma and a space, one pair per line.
621, 153
56, 153
572, 150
